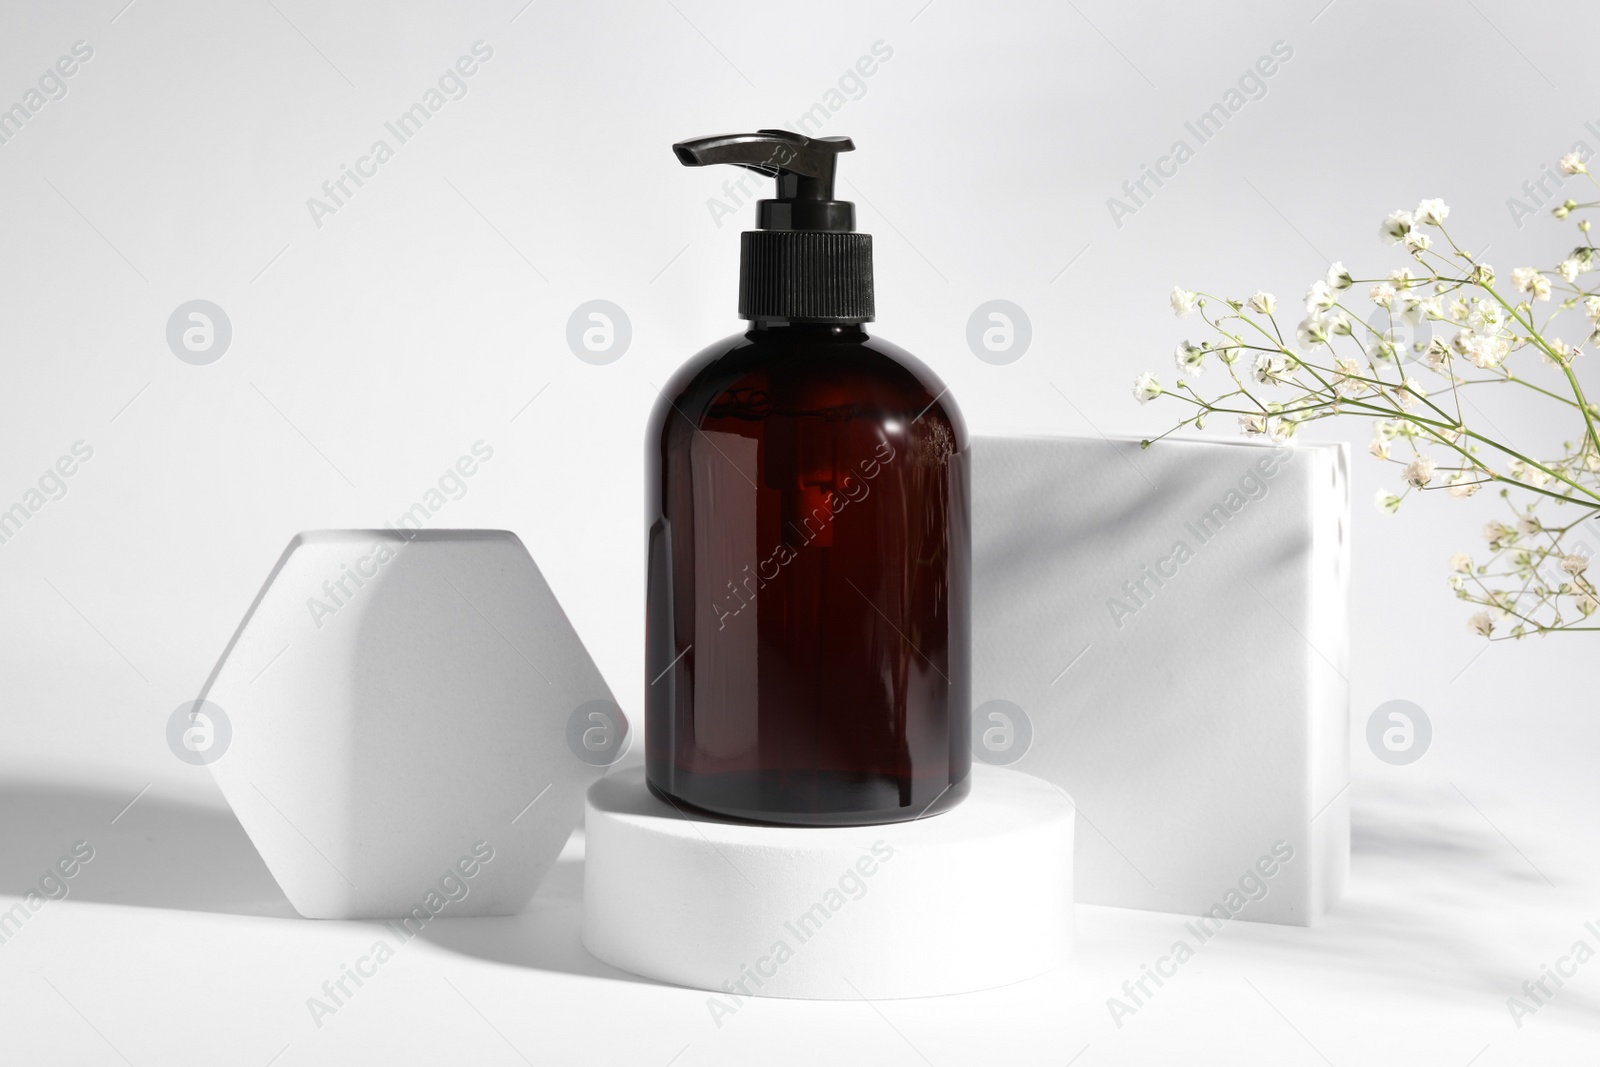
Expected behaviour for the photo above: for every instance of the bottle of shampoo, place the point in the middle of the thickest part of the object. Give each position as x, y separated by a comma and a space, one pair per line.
808, 632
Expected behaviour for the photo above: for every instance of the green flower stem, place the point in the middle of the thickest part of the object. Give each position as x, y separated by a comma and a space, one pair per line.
1491, 603
1383, 386
1399, 413
1316, 390
1477, 463
1564, 364
1511, 379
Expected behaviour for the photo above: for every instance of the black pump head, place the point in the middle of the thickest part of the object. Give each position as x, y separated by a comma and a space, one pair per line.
804, 262
804, 167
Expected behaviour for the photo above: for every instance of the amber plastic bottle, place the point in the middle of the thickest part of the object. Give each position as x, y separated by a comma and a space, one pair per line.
807, 640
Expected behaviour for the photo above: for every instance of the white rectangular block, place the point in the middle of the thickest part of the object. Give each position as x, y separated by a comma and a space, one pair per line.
1172, 625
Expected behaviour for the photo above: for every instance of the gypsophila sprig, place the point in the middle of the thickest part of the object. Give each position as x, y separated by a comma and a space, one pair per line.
1354, 357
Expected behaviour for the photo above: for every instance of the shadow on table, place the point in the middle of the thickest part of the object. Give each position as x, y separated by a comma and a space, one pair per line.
161, 853
158, 853
1440, 904
546, 937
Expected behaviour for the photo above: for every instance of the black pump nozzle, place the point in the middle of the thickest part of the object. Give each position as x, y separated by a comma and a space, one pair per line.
804, 262
804, 167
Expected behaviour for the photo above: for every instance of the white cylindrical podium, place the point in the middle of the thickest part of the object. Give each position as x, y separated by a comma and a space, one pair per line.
974, 898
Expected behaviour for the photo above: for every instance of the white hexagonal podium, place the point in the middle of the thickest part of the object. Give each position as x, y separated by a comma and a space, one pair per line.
400, 706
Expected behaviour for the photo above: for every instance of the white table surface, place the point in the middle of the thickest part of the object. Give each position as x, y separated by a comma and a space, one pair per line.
176, 947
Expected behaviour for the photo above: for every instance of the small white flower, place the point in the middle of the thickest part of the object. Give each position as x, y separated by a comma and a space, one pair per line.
1564, 353
1320, 297
1252, 425
1495, 533
1146, 388
1182, 301
1529, 280
1189, 357
1420, 472
1417, 241
1463, 484
1313, 330
1459, 310
1437, 354
1528, 474
1394, 228
1270, 368
1461, 563
1407, 307
1382, 294
1386, 502
1572, 163
1347, 382
1569, 269
1379, 448
1408, 394
1481, 624
1433, 212
1485, 352
1491, 353
1574, 565
1280, 430
1486, 318
1338, 277
1263, 303
1528, 526
1431, 309
1382, 348
1591, 307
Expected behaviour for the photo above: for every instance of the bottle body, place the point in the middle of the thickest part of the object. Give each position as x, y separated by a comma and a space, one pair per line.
808, 636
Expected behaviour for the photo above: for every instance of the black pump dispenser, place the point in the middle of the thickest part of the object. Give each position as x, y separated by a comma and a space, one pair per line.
805, 263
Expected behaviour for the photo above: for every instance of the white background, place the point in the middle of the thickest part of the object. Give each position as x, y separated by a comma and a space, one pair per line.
372, 351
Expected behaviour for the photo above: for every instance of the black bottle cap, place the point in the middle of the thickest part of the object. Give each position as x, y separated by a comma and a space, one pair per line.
805, 263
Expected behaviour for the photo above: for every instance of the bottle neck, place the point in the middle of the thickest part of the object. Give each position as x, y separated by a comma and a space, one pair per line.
810, 331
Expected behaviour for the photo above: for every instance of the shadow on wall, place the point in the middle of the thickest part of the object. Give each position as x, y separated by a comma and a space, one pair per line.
157, 854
